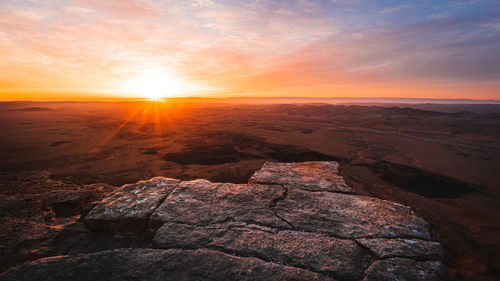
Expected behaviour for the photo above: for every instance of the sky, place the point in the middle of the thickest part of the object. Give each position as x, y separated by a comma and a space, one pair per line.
93, 49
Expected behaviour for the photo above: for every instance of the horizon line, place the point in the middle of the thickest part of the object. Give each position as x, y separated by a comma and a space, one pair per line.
351, 99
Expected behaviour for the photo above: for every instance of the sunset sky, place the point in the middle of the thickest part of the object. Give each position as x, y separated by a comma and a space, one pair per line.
93, 49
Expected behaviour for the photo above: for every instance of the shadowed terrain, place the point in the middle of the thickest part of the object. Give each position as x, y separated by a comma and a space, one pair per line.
441, 160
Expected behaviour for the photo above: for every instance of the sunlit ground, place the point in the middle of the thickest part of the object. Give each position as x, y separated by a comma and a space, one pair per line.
155, 110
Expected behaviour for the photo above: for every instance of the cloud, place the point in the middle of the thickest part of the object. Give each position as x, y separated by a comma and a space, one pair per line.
394, 9
140, 8
202, 3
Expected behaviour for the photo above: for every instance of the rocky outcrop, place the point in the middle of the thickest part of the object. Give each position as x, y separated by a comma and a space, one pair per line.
39, 215
294, 221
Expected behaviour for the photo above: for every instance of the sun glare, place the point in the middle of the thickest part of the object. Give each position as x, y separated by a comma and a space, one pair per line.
156, 83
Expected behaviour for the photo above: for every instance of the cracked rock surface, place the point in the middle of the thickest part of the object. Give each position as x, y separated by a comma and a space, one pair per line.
313, 175
294, 221
152, 264
127, 209
202, 202
350, 216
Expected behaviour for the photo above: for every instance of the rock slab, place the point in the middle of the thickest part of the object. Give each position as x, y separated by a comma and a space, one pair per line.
350, 216
152, 265
201, 202
313, 176
127, 209
339, 258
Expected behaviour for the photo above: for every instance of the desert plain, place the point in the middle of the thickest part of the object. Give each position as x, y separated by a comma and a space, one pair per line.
443, 160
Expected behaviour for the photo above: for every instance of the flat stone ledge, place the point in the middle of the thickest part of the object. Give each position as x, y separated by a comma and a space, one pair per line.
313, 176
299, 215
350, 216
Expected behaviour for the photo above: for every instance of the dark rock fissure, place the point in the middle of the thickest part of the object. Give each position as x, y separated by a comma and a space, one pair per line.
376, 258
275, 201
367, 250
279, 229
329, 191
158, 205
417, 259
256, 255
285, 221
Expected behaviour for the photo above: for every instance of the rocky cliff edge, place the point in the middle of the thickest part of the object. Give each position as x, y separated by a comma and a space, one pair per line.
292, 221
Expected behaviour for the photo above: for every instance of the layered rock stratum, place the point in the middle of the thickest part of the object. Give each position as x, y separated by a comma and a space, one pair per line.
292, 221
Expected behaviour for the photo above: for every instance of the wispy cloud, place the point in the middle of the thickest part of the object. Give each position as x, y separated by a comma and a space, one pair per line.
394, 9
144, 8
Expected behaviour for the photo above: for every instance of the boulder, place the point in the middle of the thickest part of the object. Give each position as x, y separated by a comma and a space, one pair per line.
68, 203
127, 209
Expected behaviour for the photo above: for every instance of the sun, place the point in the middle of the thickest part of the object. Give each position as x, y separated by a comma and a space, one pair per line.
156, 83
